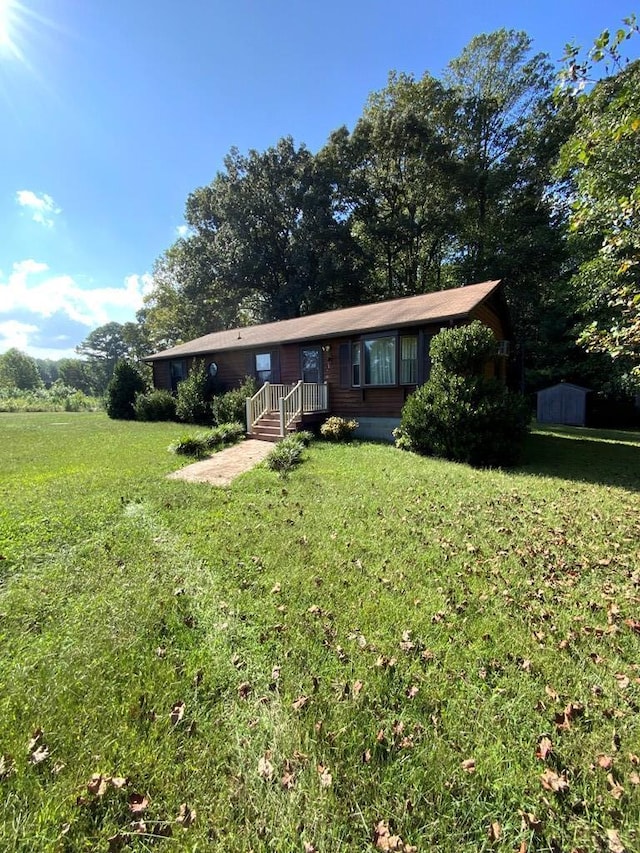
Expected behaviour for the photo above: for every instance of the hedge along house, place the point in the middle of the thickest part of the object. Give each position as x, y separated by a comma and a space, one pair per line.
360, 362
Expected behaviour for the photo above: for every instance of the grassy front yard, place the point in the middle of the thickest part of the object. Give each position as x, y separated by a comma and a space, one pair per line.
381, 646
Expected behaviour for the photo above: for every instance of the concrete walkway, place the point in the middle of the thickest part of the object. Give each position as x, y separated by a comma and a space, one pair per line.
223, 467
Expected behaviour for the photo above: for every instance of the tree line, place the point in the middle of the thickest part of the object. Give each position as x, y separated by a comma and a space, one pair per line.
490, 171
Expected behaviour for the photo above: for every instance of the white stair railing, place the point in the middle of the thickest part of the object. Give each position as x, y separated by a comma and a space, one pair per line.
314, 397
257, 405
290, 401
291, 406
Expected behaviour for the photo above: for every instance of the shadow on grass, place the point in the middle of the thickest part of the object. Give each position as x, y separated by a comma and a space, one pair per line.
605, 457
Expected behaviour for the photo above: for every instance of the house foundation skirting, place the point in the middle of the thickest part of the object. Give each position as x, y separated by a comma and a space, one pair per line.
380, 429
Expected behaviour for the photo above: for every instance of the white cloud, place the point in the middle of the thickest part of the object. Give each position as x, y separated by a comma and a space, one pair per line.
31, 287
15, 334
42, 207
182, 230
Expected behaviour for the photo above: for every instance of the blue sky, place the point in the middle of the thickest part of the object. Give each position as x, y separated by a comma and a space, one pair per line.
112, 111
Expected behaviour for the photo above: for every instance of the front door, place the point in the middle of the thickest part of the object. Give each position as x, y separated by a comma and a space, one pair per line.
311, 358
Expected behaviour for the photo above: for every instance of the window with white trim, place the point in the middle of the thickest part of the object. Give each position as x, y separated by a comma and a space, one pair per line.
263, 366
409, 360
355, 364
379, 360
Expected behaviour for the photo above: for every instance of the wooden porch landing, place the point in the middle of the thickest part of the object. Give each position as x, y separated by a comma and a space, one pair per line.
223, 467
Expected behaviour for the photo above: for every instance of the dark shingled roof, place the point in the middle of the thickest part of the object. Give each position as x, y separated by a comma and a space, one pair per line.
442, 305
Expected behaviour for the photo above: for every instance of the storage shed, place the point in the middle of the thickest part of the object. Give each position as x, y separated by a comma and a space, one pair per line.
563, 403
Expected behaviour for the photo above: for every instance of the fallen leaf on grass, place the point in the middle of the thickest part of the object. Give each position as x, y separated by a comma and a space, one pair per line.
138, 827
7, 767
564, 718
308, 847
412, 692
384, 840
407, 644
494, 832
275, 673
469, 765
325, 776
614, 843
530, 821
35, 739
138, 803
39, 755
551, 781
545, 748
98, 785
244, 690
357, 687
622, 680
276, 589
605, 762
634, 624
186, 816
265, 767
634, 778
616, 790
299, 703
177, 713
288, 780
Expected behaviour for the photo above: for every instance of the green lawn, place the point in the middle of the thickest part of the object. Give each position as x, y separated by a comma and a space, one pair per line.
381, 638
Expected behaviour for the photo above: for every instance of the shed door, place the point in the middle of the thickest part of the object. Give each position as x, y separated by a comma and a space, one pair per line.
311, 364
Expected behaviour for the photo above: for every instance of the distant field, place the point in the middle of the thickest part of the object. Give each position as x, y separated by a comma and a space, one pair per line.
383, 652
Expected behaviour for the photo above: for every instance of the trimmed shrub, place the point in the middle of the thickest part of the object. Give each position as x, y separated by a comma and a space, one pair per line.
191, 444
158, 405
286, 455
203, 443
338, 429
121, 391
304, 436
231, 406
459, 414
192, 404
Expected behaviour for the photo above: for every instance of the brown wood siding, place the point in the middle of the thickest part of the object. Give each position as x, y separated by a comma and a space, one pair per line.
233, 366
490, 318
161, 375
290, 363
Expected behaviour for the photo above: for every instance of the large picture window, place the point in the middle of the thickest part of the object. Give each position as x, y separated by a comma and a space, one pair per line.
379, 361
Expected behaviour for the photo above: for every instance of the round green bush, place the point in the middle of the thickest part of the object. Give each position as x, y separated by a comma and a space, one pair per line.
460, 414
158, 405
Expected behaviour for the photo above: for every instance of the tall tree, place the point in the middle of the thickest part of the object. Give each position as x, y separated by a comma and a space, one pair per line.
110, 343
19, 370
400, 171
280, 249
603, 159
498, 88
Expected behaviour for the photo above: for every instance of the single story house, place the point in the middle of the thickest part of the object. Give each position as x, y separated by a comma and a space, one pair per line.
360, 362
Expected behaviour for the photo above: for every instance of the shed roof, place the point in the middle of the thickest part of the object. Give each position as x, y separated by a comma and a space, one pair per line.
571, 385
454, 304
